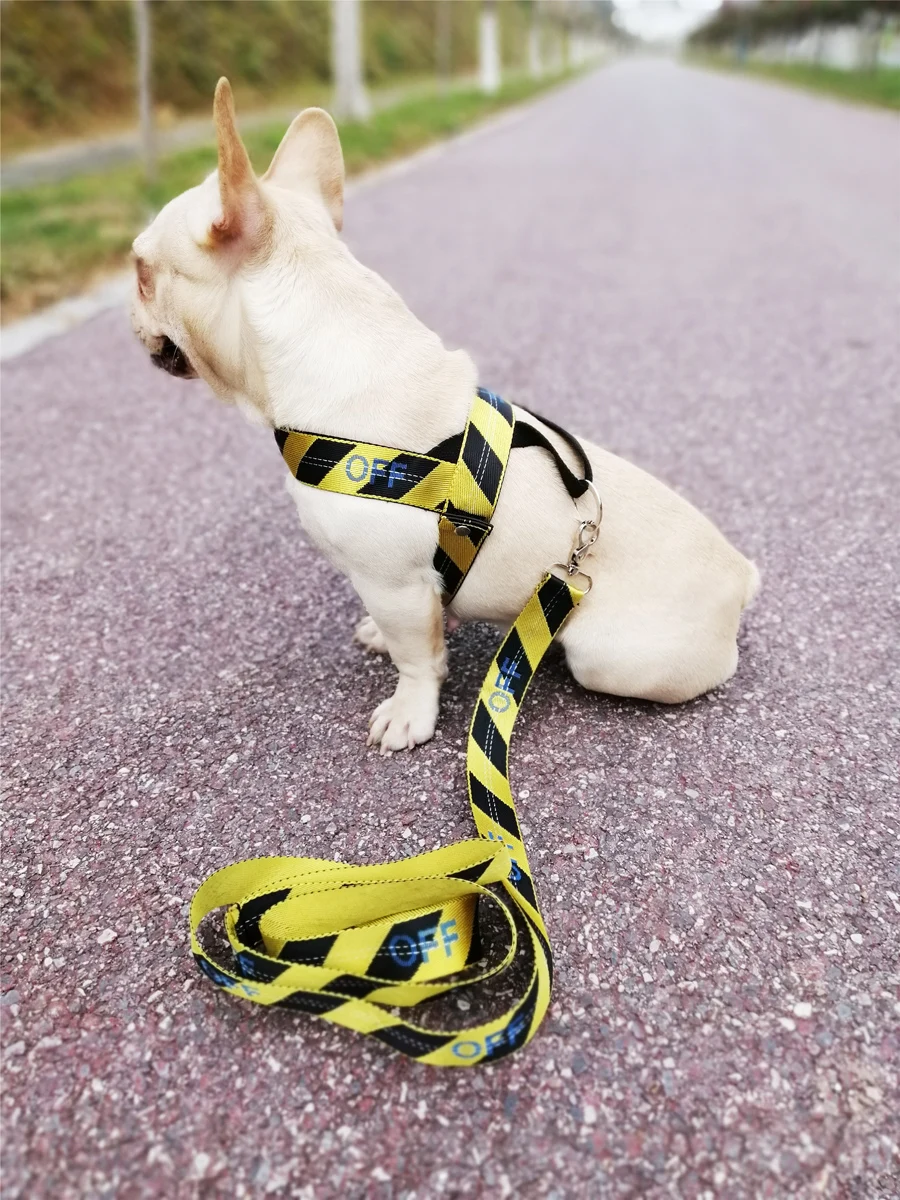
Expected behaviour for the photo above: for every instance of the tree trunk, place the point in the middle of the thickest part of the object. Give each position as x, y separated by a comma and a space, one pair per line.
535, 66
488, 48
350, 96
443, 44
143, 39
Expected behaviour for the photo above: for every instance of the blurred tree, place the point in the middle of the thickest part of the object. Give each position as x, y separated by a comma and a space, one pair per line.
535, 58
488, 48
350, 97
751, 23
443, 45
68, 67
144, 36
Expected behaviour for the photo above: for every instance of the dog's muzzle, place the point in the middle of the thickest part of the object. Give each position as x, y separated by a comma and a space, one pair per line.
172, 358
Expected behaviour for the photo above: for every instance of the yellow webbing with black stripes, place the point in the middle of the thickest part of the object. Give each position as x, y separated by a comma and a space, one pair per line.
350, 943
463, 492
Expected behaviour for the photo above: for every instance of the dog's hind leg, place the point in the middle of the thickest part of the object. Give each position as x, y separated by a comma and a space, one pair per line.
650, 653
664, 673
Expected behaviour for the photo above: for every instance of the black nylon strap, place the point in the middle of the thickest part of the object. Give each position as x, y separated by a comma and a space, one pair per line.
525, 434
573, 442
448, 449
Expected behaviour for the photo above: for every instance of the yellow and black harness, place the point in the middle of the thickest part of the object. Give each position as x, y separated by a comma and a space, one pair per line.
350, 943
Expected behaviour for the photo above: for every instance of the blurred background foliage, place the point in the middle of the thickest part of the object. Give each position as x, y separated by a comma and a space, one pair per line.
844, 48
783, 18
67, 66
69, 70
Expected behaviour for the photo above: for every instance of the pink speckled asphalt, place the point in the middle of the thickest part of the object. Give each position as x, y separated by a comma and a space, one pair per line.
699, 271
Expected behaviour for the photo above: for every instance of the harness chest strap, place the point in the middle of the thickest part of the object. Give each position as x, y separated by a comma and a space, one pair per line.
459, 479
349, 943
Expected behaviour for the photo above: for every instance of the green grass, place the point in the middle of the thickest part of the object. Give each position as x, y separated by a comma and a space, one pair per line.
56, 238
880, 87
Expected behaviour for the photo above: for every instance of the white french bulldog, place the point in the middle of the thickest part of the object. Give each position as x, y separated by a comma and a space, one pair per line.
244, 282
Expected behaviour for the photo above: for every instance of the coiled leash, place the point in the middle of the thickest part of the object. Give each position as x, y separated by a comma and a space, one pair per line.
349, 943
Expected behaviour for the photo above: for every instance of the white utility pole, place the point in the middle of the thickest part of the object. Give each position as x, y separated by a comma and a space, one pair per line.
143, 38
443, 44
535, 65
350, 96
488, 48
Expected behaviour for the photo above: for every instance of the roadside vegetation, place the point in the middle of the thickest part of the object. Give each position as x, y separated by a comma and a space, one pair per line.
793, 42
59, 237
67, 69
879, 87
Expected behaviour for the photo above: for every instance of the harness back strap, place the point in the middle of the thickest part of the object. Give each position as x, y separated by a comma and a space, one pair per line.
527, 435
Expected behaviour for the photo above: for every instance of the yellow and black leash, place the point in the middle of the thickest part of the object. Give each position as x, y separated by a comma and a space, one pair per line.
349, 943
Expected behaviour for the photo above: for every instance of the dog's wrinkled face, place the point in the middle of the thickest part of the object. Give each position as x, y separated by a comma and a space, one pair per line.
192, 261
177, 279
150, 313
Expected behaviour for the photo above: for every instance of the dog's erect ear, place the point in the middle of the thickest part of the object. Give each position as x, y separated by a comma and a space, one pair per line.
242, 201
310, 157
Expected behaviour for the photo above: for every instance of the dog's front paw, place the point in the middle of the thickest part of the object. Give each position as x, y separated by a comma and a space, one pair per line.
405, 720
370, 636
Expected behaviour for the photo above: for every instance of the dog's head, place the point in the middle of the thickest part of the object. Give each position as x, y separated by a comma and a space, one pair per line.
210, 262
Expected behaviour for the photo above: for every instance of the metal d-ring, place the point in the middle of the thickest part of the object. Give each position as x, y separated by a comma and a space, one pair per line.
571, 573
598, 515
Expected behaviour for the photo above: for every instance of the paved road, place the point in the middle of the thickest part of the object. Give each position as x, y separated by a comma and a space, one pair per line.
699, 271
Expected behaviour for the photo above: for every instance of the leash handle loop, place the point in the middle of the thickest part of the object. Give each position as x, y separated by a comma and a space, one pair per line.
358, 945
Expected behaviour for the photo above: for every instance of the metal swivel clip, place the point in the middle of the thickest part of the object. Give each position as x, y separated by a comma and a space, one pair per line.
588, 532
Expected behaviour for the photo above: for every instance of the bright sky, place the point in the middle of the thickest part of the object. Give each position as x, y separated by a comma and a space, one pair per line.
662, 20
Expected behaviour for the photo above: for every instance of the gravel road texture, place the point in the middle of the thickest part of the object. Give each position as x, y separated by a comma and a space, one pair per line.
700, 272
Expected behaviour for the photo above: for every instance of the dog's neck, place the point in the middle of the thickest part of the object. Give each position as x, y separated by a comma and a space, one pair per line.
336, 351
